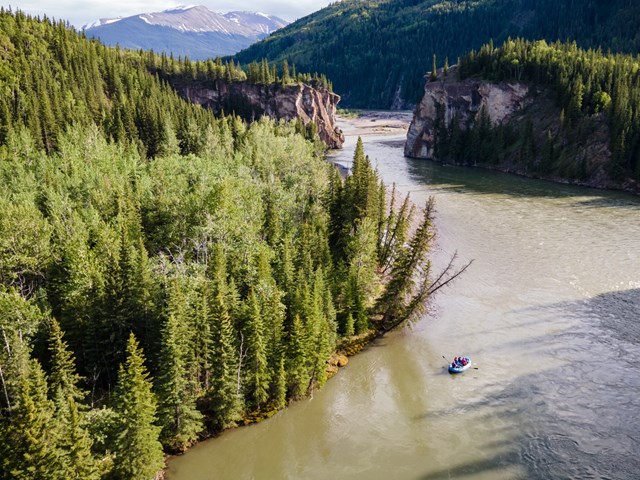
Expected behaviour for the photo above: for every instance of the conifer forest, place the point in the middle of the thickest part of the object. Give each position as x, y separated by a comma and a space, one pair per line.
168, 272
165, 274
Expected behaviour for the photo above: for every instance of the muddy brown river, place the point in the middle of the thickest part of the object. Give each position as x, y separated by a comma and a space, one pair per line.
549, 312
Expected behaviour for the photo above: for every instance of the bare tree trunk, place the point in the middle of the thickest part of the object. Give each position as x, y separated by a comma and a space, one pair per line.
6, 393
240, 359
4, 385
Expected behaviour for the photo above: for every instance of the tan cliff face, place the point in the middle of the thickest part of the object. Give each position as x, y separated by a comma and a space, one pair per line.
579, 154
461, 99
291, 102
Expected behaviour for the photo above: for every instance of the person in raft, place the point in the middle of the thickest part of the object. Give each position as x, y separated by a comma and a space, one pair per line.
459, 362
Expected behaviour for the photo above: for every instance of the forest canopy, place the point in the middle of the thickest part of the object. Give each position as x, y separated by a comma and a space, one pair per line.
377, 52
163, 272
591, 92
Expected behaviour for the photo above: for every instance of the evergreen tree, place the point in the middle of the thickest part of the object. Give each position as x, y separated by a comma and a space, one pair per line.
257, 377
137, 451
320, 333
73, 441
63, 379
280, 386
75, 445
28, 444
433, 76
297, 355
285, 73
177, 412
396, 303
224, 401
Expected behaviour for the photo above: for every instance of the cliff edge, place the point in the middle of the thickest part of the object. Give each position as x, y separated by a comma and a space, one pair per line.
513, 127
447, 100
252, 101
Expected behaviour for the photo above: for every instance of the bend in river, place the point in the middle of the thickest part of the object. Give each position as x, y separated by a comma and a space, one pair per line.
549, 313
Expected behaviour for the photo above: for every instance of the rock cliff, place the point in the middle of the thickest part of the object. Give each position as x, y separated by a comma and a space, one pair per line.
447, 99
251, 101
527, 134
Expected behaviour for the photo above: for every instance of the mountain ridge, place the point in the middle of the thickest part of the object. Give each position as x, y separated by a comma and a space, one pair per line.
193, 31
376, 52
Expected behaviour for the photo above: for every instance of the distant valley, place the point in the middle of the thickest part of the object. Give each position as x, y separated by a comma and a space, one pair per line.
193, 31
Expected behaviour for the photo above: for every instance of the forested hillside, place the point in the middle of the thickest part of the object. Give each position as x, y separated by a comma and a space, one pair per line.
164, 273
52, 78
378, 51
595, 97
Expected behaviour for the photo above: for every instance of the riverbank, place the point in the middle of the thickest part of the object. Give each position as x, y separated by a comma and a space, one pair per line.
395, 412
369, 124
373, 122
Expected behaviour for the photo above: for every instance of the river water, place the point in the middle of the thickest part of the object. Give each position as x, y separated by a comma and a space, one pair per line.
549, 312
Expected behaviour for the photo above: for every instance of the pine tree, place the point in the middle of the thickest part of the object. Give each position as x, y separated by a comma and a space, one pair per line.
256, 373
320, 334
285, 73
137, 451
63, 379
28, 448
434, 71
177, 413
73, 441
395, 301
280, 385
362, 257
296, 359
223, 396
74, 445
349, 326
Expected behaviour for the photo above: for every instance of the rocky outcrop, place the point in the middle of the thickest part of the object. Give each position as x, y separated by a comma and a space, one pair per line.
251, 101
449, 99
541, 142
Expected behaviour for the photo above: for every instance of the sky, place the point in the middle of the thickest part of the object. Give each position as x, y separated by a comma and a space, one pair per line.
79, 13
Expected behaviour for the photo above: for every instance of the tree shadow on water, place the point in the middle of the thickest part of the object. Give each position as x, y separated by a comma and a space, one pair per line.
485, 181
563, 420
616, 313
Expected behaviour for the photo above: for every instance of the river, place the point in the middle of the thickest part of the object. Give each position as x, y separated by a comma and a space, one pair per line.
549, 312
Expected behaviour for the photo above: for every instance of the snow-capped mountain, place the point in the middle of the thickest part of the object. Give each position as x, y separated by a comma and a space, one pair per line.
194, 31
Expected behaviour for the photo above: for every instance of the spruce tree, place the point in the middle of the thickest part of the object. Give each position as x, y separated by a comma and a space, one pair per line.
434, 70
280, 384
63, 379
137, 451
73, 441
319, 335
75, 445
177, 413
296, 359
28, 446
223, 395
256, 372
396, 299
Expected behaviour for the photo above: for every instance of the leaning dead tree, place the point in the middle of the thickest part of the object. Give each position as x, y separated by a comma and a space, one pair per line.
411, 283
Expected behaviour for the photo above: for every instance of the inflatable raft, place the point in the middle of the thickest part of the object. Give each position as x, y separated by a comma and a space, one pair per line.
459, 366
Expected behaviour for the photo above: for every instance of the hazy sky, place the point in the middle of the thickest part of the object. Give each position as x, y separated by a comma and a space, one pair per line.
82, 12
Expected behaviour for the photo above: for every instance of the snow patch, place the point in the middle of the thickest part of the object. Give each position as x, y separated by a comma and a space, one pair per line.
179, 8
101, 22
